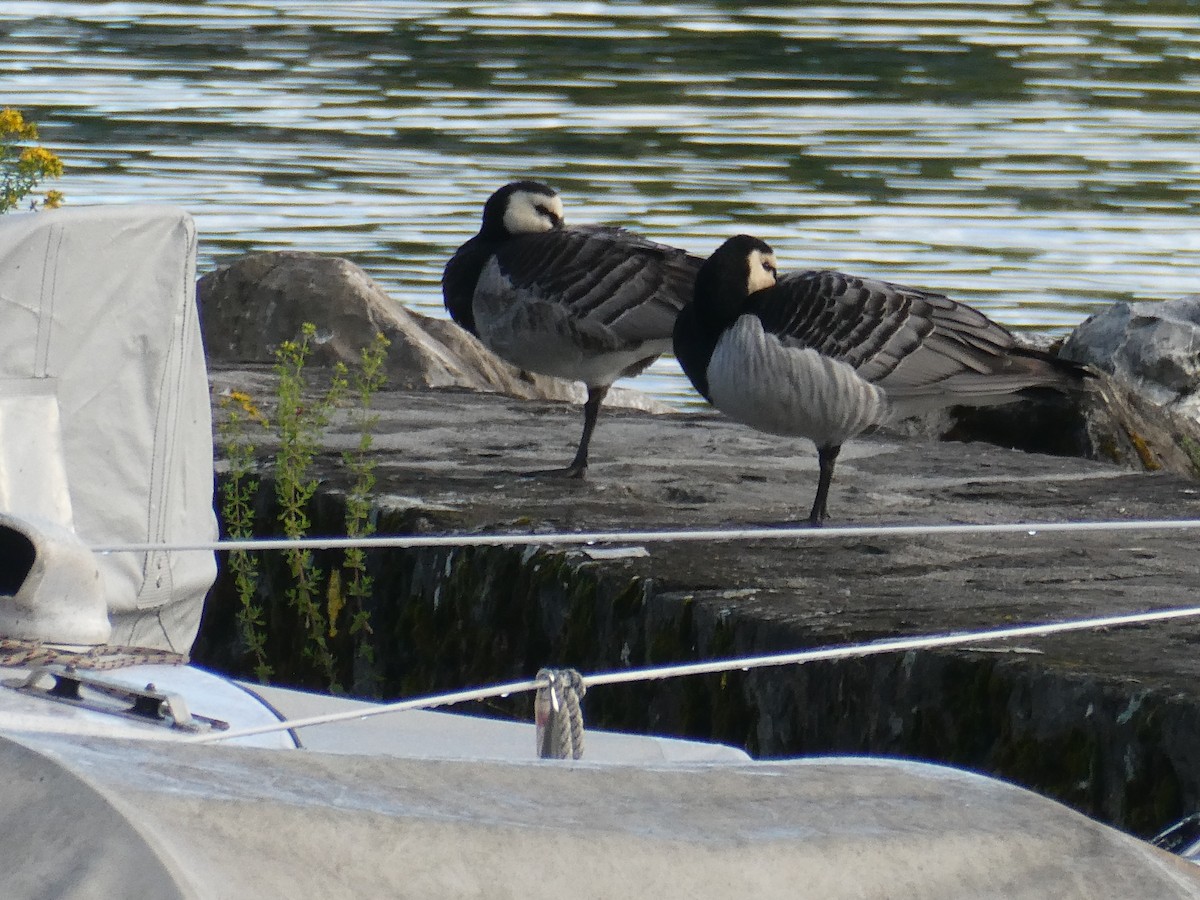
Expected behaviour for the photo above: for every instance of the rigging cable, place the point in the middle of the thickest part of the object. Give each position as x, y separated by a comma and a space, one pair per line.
655, 536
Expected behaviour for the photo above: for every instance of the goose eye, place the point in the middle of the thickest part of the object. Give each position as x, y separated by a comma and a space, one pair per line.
549, 214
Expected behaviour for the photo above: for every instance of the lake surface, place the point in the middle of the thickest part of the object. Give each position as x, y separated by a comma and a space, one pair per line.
1036, 159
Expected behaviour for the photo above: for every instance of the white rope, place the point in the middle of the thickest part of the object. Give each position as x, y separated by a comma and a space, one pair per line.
645, 537
890, 645
557, 714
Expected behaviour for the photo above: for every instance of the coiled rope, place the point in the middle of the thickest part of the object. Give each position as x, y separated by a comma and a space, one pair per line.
558, 714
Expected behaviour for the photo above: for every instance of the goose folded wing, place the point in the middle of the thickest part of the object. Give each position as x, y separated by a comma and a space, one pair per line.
616, 286
968, 357
871, 325
909, 341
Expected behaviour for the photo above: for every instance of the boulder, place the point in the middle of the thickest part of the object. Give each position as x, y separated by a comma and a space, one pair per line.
260, 300
1154, 348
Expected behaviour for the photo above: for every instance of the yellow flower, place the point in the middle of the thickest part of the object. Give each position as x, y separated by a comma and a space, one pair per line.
22, 167
246, 402
12, 122
53, 199
41, 162
335, 600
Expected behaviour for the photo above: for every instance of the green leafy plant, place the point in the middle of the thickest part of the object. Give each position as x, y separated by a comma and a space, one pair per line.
299, 425
237, 508
24, 166
368, 379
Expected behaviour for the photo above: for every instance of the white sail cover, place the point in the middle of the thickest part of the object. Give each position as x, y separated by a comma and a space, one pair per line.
98, 323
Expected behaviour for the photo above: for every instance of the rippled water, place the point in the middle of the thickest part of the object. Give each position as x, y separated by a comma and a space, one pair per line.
1037, 159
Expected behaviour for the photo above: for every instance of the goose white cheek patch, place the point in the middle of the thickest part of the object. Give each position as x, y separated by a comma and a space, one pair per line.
522, 215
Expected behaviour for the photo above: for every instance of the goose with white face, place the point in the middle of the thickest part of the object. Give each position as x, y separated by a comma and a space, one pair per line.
763, 271
825, 356
588, 303
531, 212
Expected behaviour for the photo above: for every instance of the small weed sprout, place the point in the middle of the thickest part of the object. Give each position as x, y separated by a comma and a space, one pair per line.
23, 167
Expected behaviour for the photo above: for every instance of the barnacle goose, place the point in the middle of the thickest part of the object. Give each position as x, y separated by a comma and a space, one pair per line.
824, 355
589, 303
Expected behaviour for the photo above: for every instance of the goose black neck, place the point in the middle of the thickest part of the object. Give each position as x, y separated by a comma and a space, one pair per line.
721, 290
492, 228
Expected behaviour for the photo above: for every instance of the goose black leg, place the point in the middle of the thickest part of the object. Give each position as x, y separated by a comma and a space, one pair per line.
826, 457
578, 466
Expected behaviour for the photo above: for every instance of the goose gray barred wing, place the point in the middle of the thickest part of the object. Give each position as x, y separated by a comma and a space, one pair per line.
909, 341
605, 277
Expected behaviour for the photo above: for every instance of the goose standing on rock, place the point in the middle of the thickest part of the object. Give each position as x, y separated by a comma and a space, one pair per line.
590, 303
825, 356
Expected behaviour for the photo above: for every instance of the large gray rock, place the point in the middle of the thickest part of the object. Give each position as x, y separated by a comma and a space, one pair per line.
1154, 348
252, 305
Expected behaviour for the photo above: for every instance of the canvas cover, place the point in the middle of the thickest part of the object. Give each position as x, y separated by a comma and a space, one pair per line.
100, 341
85, 818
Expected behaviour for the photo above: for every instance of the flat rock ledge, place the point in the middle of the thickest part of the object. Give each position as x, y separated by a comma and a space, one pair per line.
1106, 721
